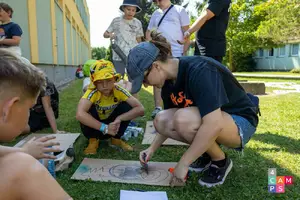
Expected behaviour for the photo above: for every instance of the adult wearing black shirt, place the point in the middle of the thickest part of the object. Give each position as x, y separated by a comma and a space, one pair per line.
203, 107
211, 27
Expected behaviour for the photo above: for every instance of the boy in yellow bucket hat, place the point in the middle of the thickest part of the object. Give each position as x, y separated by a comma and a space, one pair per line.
105, 110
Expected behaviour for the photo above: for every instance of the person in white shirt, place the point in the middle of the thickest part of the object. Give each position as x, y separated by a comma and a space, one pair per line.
172, 27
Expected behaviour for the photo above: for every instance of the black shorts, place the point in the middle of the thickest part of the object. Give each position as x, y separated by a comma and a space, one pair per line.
37, 122
93, 133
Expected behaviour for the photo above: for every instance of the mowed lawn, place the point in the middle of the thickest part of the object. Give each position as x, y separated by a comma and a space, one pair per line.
270, 73
275, 145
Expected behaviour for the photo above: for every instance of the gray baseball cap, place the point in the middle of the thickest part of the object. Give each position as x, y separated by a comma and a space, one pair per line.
140, 59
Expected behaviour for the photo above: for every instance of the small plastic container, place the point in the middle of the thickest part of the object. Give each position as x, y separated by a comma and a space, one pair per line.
135, 130
49, 164
51, 168
127, 135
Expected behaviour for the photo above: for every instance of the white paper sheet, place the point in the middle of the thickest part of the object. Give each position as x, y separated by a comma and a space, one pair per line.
135, 195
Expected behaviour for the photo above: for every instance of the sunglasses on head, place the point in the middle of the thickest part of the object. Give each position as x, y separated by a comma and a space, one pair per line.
156, 1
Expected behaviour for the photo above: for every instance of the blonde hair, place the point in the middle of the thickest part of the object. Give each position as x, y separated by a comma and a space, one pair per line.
162, 44
18, 75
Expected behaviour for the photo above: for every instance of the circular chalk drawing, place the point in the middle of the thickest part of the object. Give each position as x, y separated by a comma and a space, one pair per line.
134, 172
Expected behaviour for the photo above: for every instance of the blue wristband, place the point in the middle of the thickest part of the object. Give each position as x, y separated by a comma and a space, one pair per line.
102, 128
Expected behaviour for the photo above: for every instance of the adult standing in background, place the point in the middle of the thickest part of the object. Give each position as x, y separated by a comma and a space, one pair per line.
171, 21
211, 26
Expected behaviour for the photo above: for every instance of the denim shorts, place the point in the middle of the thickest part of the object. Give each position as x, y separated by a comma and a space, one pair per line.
245, 129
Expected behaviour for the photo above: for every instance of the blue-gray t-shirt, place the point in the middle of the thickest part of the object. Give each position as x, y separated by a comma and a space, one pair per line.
9, 31
201, 84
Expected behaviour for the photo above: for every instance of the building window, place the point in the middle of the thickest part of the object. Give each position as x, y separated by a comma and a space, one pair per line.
271, 52
294, 49
260, 53
281, 52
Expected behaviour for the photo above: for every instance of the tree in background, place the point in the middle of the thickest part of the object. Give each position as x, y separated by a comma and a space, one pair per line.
258, 24
240, 35
109, 53
98, 53
282, 21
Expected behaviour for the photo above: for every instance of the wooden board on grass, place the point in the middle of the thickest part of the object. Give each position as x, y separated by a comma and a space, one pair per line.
65, 140
124, 171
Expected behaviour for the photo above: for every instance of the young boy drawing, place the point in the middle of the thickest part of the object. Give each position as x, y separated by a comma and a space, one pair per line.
106, 109
22, 176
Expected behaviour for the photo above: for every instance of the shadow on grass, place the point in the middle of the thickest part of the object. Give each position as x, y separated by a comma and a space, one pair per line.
285, 143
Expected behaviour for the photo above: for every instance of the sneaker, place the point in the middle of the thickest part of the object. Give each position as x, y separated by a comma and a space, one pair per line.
92, 147
203, 162
119, 143
155, 111
215, 175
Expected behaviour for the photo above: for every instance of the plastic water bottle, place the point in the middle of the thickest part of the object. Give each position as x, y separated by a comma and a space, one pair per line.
49, 164
51, 168
127, 135
135, 130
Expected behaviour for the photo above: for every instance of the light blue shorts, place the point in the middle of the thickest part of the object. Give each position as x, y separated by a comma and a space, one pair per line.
245, 129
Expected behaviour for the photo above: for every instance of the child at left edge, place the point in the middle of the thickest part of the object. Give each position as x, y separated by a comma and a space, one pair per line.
106, 109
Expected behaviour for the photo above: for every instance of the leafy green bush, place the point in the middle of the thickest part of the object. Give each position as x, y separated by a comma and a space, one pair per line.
241, 62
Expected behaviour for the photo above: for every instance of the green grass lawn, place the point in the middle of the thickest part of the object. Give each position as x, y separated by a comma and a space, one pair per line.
269, 80
275, 145
270, 73
271, 89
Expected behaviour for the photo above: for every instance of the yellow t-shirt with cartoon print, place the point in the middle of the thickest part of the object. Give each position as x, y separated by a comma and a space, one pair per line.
106, 105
